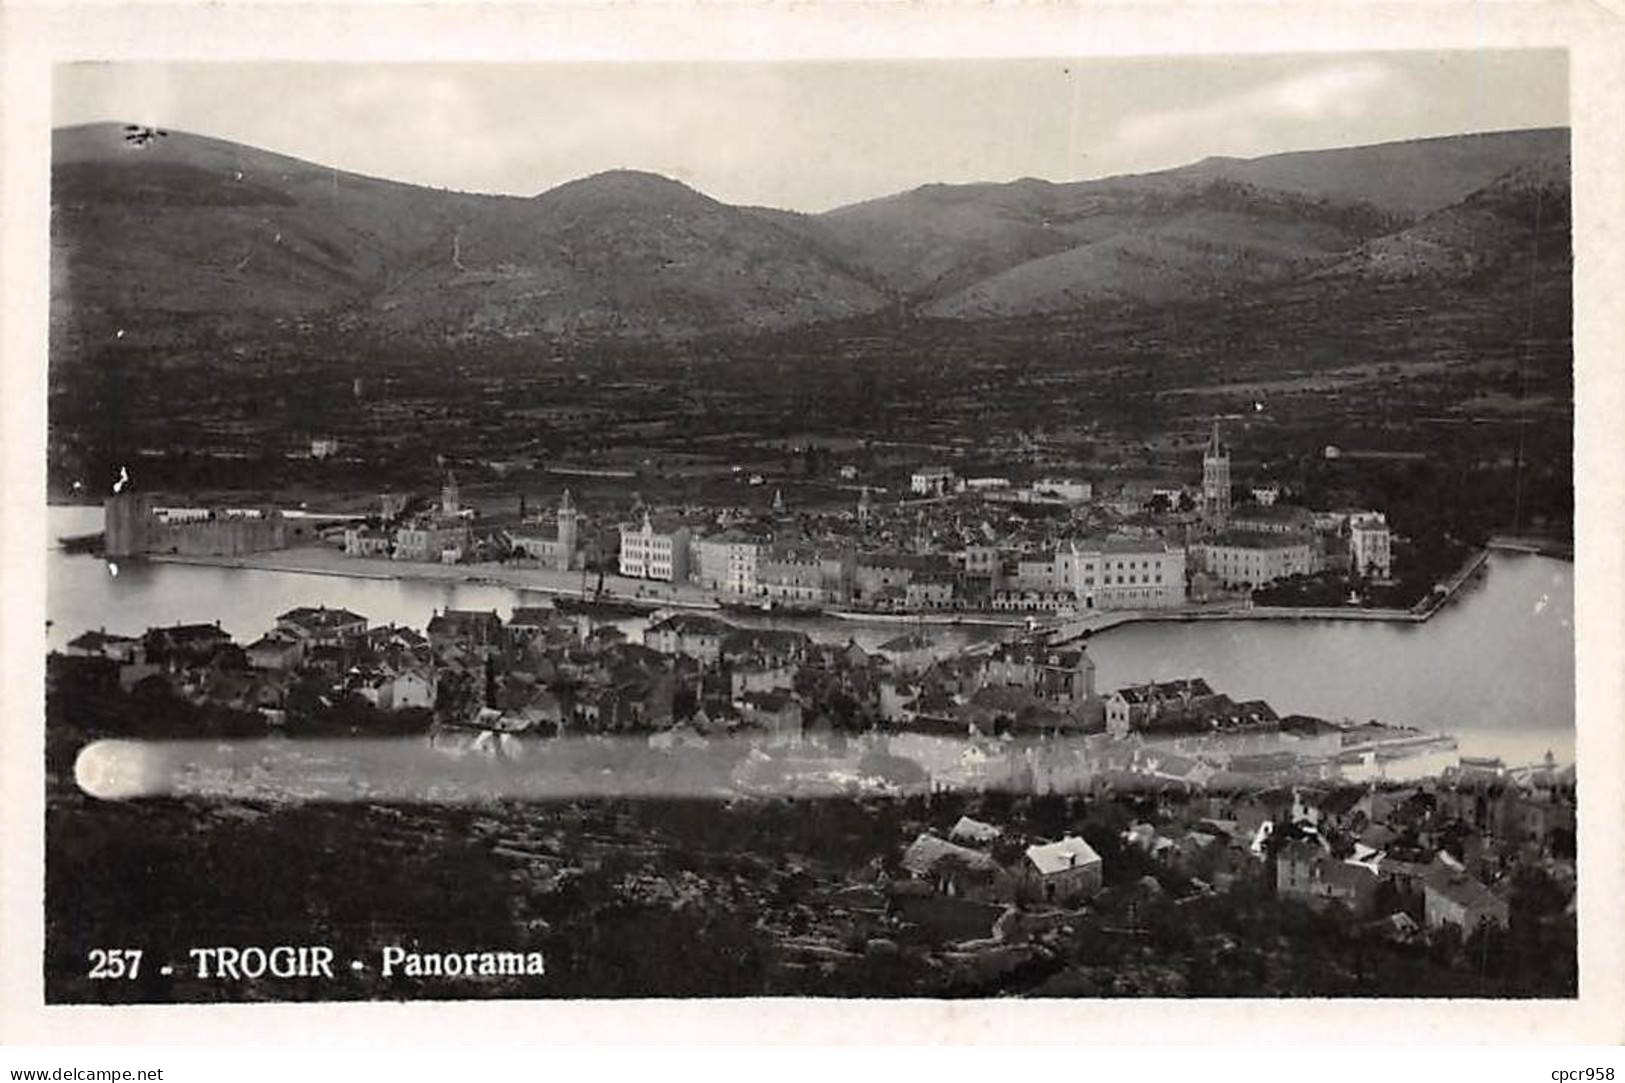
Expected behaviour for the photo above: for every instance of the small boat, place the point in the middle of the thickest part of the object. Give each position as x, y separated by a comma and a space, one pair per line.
597, 604
601, 607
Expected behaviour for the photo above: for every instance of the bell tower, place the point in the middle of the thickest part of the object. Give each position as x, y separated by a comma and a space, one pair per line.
449, 505
569, 522
1216, 482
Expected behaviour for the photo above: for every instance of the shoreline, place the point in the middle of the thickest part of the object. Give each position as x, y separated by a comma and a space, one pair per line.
328, 562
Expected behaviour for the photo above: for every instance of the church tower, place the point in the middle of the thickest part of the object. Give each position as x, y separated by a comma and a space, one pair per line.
569, 521
863, 507
1216, 482
449, 506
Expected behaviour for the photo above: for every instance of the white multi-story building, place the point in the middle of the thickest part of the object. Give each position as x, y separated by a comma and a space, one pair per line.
1123, 573
728, 561
651, 553
1369, 544
1254, 558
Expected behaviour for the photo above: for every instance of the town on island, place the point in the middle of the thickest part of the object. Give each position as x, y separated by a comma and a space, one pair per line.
1174, 788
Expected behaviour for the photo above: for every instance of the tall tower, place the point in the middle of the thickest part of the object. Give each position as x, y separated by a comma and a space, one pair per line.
449, 506
569, 520
1216, 481
128, 519
863, 507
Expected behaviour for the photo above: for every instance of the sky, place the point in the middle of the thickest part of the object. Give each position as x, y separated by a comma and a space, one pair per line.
811, 136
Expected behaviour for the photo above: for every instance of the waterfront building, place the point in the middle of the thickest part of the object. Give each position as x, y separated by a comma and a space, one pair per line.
1031, 600
801, 576
651, 551
432, 540
930, 591
881, 575
1123, 573
134, 527
1137, 706
559, 549
1066, 677
1038, 571
103, 644
1216, 482
366, 541
728, 561
694, 634
980, 562
1369, 545
320, 626
1249, 558
276, 650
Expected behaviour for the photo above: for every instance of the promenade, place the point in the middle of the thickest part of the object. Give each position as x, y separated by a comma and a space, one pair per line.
314, 560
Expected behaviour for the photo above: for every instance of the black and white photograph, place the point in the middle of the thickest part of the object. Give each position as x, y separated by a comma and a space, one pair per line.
1048, 528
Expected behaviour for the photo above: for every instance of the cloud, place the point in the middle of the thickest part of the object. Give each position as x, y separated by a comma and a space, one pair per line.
1263, 118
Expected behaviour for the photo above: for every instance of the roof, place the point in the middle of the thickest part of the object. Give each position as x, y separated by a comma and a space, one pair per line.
180, 633
272, 641
1255, 539
531, 616
461, 620
693, 624
95, 640
1037, 654
1124, 546
968, 828
742, 640
1197, 687
1070, 853
1273, 513
908, 641
1465, 891
925, 852
317, 617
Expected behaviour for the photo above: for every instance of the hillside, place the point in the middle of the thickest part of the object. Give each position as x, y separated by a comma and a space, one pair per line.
1030, 247
186, 225
185, 231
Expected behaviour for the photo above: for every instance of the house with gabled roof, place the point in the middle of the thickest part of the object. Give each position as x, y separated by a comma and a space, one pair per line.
470, 630
321, 626
974, 832
1458, 899
1063, 872
693, 634
1307, 871
102, 644
276, 650
955, 870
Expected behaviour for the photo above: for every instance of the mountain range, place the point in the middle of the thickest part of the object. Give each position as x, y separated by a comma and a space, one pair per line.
181, 227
